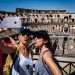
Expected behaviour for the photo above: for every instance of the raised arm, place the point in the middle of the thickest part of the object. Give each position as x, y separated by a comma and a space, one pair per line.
47, 57
8, 46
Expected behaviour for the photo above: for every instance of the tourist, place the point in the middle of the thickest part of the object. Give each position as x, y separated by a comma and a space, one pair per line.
45, 65
23, 64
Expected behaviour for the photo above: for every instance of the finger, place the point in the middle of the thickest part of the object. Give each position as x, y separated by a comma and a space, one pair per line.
12, 40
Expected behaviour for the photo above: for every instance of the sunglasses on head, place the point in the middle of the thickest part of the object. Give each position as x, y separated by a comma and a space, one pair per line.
23, 33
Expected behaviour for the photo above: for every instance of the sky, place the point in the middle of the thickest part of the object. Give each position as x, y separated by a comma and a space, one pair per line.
11, 5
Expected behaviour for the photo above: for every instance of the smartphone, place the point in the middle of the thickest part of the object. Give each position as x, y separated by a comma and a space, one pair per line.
7, 40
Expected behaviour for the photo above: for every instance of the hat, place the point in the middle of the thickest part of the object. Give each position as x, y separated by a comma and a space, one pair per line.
25, 31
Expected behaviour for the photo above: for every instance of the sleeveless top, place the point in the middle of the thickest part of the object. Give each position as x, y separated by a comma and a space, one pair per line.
22, 66
41, 68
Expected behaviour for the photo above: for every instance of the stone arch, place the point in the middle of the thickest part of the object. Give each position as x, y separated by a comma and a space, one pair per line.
36, 20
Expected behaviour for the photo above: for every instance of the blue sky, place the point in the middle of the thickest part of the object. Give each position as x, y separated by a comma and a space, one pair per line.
11, 5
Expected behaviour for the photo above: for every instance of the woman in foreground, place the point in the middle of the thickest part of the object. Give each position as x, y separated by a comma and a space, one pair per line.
45, 65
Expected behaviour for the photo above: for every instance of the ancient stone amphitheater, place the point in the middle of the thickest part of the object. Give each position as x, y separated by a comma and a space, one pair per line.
60, 25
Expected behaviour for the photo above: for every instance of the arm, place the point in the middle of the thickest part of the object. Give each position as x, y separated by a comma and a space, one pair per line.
8, 46
47, 57
12, 44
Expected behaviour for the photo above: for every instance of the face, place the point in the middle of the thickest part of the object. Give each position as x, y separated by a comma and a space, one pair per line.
24, 39
38, 42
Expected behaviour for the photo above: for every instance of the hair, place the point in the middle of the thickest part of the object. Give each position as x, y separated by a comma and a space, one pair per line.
44, 34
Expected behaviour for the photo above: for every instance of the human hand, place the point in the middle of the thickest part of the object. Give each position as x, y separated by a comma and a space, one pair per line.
45, 53
7, 45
